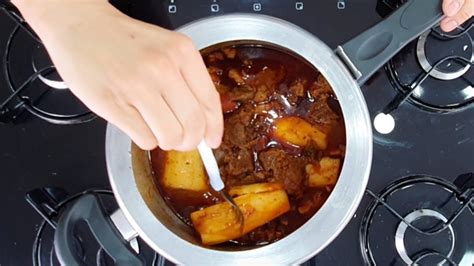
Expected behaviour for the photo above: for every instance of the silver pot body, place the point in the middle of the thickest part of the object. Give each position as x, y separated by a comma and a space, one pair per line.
157, 225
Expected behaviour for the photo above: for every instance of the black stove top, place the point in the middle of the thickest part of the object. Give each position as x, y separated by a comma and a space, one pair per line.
418, 207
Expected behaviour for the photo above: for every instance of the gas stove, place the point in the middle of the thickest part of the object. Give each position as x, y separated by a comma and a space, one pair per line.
419, 204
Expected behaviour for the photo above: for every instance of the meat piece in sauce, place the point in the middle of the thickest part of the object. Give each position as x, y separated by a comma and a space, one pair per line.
320, 88
264, 115
242, 93
262, 94
221, 154
268, 233
320, 112
241, 163
297, 90
237, 76
268, 77
237, 128
285, 169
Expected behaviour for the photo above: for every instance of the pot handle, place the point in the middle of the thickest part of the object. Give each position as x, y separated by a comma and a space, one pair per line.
367, 52
89, 210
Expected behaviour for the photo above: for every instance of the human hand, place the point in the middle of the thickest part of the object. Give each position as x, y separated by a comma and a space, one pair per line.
457, 12
148, 81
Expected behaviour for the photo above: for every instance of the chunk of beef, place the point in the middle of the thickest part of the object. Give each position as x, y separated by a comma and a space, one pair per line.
321, 113
237, 128
267, 233
321, 88
262, 94
241, 93
284, 168
264, 116
297, 90
298, 86
267, 77
241, 162
221, 154
237, 76
246, 179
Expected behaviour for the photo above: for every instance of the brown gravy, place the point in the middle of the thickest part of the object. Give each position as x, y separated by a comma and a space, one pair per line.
259, 84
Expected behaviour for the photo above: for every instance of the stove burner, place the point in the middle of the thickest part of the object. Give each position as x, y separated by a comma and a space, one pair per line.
434, 73
413, 217
41, 60
49, 203
32, 81
430, 217
430, 49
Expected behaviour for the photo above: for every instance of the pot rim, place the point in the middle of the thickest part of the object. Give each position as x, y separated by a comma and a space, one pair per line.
342, 203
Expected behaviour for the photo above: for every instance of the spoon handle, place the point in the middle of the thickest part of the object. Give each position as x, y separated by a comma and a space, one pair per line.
211, 166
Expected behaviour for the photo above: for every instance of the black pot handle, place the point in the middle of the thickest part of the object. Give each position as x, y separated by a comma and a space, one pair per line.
88, 209
367, 52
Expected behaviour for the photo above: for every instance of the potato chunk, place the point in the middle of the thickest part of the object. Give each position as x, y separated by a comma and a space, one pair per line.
297, 132
184, 170
255, 188
218, 223
324, 174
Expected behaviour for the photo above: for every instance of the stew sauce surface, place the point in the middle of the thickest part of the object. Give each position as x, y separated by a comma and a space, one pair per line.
258, 85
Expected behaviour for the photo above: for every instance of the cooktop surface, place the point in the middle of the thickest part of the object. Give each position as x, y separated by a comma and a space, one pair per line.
418, 206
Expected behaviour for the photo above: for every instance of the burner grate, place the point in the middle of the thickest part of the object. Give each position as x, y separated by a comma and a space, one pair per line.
50, 203
407, 91
15, 104
465, 200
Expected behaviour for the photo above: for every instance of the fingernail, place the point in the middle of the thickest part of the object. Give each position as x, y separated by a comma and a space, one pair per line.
454, 7
215, 143
450, 24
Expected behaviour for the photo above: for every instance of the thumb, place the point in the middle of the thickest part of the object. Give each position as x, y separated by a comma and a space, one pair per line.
465, 13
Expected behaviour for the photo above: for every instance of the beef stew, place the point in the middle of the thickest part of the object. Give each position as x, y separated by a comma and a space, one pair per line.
282, 124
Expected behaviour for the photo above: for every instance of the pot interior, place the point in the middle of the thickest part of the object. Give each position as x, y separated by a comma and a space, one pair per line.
147, 184
154, 200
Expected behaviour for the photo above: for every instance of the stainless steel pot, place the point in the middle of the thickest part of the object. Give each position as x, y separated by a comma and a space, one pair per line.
144, 208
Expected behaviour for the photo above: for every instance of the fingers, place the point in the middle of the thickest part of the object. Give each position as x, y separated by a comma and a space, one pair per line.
129, 120
465, 10
187, 110
197, 78
160, 119
451, 7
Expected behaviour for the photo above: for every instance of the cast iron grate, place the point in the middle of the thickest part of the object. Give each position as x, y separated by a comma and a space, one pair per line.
18, 102
434, 215
422, 83
50, 203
